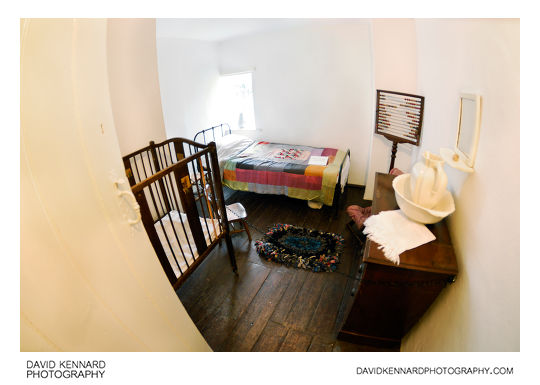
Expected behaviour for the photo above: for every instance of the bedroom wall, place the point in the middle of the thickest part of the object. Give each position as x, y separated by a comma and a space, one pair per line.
394, 69
311, 85
188, 72
481, 310
134, 84
88, 280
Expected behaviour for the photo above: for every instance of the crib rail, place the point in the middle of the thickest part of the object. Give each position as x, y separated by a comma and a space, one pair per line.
147, 161
182, 204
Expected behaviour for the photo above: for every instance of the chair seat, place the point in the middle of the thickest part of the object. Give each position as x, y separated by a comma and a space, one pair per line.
236, 212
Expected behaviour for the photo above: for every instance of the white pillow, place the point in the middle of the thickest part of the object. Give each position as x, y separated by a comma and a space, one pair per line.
230, 145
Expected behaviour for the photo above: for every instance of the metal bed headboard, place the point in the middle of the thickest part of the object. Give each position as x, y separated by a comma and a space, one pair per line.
225, 129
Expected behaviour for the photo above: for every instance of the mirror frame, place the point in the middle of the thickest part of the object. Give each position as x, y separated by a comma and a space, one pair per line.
470, 158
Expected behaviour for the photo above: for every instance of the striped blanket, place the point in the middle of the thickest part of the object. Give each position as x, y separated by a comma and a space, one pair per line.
272, 168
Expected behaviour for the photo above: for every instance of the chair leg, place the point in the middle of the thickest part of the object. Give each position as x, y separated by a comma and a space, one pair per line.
244, 223
230, 250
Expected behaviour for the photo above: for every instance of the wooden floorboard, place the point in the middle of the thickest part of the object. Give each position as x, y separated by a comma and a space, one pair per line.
250, 326
296, 341
268, 306
289, 297
324, 317
217, 325
319, 344
218, 288
306, 301
216, 263
271, 338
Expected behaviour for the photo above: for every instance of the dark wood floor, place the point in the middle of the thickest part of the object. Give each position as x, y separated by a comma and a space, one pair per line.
267, 306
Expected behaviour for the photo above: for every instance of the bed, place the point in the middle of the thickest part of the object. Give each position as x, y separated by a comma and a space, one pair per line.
275, 168
173, 182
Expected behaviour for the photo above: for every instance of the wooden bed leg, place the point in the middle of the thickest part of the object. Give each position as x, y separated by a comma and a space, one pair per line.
230, 250
338, 194
337, 201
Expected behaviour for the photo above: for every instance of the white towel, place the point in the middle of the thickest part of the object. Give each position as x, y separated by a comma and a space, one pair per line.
395, 233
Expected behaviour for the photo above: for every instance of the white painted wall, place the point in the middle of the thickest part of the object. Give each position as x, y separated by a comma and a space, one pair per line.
481, 311
394, 68
89, 281
312, 85
134, 85
188, 74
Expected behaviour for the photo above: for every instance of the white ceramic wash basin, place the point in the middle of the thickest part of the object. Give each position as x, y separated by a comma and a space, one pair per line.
418, 213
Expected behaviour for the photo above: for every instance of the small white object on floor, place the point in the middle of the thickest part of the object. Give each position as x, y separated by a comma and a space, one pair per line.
395, 233
314, 205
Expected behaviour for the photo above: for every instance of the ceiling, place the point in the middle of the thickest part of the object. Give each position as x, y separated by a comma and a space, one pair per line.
215, 30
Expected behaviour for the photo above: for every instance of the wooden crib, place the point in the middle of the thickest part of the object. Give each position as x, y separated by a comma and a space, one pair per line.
178, 187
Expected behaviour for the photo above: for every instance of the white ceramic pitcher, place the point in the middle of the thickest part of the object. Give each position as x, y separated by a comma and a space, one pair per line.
428, 181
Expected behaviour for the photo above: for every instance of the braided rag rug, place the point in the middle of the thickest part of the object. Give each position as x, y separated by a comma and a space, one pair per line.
301, 248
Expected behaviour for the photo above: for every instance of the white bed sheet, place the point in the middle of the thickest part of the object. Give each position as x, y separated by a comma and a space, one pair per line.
230, 145
185, 243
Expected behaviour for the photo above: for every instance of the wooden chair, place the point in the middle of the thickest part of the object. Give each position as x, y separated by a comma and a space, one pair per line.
236, 213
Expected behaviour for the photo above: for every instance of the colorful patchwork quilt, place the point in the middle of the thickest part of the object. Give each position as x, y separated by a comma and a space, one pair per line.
273, 168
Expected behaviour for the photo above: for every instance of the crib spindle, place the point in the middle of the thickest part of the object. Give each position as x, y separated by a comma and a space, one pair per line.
154, 239
187, 199
157, 166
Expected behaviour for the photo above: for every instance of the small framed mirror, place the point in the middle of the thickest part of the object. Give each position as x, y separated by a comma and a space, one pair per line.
468, 132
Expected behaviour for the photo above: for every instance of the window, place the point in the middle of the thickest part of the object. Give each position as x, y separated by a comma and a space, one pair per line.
235, 100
